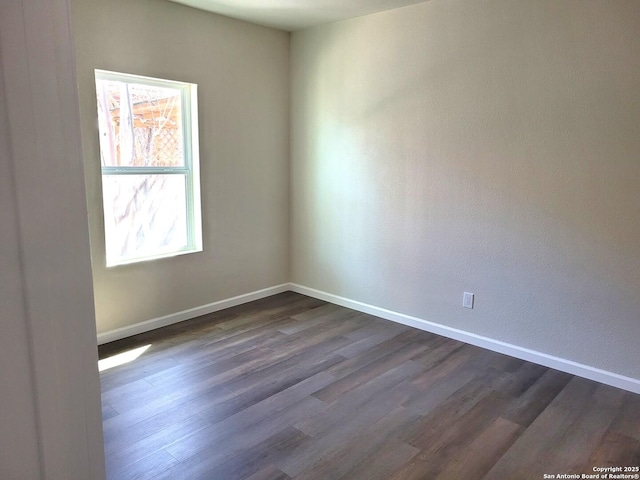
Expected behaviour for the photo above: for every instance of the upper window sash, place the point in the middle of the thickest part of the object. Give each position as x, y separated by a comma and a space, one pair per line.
188, 109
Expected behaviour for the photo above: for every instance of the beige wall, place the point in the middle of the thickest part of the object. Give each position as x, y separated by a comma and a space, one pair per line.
242, 72
490, 146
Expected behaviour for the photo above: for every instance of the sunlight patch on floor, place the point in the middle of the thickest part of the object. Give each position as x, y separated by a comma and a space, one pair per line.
121, 358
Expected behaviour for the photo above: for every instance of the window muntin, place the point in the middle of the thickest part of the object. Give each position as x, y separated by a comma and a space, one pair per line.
148, 150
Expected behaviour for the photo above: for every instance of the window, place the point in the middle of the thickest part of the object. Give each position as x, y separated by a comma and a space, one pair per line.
149, 155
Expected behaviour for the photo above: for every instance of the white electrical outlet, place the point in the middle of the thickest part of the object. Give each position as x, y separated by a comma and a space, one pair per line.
467, 300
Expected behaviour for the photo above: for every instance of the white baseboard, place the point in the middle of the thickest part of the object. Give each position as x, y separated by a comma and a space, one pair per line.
154, 323
564, 365
568, 366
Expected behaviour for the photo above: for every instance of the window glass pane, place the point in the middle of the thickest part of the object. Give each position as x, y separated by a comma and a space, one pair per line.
140, 125
145, 215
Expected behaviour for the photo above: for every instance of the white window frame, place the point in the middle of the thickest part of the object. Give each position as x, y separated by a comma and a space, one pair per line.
191, 168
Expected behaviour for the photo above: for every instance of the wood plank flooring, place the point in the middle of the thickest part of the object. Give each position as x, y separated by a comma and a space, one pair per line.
290, 387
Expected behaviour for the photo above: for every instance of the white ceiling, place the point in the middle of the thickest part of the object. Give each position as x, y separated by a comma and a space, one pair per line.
293, 15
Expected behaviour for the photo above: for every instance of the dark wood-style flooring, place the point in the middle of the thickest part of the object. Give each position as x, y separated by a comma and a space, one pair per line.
294, 387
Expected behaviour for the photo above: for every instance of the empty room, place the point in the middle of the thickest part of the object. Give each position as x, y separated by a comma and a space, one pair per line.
320, 239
